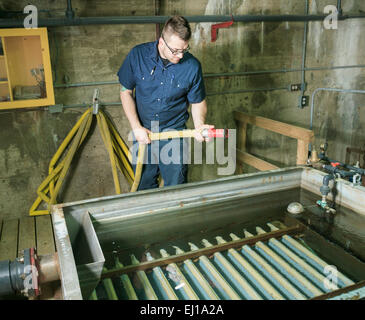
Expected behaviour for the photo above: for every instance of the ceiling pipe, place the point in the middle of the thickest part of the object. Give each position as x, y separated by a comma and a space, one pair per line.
339, 8
78, 21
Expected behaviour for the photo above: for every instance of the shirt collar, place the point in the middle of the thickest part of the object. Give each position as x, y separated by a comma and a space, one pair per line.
154, 51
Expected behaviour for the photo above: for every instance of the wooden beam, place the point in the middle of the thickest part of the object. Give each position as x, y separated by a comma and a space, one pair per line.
242, 135
302, 152
340, 291
9, 240
45, 239
26, 233
296, 229
255, 162
276, 126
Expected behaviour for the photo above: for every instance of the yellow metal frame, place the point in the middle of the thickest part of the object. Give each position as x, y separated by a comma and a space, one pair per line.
49, 100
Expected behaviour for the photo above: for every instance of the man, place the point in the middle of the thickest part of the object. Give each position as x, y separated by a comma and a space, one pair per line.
166, 79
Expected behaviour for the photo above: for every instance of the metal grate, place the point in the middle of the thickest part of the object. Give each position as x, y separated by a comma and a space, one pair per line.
282, 268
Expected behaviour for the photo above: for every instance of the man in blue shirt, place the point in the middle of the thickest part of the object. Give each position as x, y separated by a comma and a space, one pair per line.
166, 79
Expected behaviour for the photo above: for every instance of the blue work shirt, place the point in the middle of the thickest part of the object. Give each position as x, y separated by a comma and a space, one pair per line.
163, 93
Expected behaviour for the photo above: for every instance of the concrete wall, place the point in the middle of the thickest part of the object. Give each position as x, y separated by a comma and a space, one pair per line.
29, 138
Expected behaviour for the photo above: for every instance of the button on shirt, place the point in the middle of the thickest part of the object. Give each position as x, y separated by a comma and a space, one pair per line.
163, 93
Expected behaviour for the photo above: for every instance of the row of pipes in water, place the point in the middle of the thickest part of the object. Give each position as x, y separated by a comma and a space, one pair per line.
272, 270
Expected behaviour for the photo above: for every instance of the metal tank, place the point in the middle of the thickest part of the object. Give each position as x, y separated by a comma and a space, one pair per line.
229, 238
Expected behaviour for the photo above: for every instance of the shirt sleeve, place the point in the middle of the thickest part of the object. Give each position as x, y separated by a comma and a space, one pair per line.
196, 93
126, 74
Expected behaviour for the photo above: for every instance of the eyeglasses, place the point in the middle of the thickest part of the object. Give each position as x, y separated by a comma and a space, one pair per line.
176, 51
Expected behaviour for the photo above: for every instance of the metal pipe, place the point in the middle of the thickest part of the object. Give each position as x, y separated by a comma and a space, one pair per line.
309, 256
215, 75
165, 287
146, 285
84, 84
300, 264
178, 277
70, 14
221, 284
201, 283
276, 278
109, 287
322, 156
339, 8
49, 268
260, 282
239, 283
85, 105
303, 283
127, 285
306, 254
93, 296
77, 21
304, 52
246, 91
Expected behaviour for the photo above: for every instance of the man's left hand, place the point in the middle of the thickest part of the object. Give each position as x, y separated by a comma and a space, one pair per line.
198, 132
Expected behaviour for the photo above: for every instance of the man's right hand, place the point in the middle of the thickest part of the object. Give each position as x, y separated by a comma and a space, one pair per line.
141, 135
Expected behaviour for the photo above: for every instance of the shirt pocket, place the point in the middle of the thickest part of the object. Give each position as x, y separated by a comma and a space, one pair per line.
147, 84
178, 88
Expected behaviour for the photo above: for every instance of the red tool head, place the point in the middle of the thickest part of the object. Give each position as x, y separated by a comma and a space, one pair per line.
215, 133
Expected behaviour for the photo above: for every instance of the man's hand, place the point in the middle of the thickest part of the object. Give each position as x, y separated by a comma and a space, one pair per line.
141, 135
198, 132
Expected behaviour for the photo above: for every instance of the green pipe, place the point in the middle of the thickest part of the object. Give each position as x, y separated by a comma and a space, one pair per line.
215, 276
163, 283
128, 287
178, 277
109, 287
216, 75
203, 283
147, 287
234, 275
79, 21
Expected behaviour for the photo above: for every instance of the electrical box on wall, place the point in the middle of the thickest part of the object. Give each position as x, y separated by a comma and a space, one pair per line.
25, 69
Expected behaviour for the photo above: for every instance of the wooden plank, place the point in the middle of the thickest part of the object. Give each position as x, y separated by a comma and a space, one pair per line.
255, 162
242, 134
26, 233
296, 229
276, 126
44, 235
7, 69
302, 152
9, 240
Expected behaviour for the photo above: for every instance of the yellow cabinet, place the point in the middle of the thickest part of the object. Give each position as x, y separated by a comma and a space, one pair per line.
25, 69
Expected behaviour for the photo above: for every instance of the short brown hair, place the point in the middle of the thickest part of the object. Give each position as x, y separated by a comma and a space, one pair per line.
178, 25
